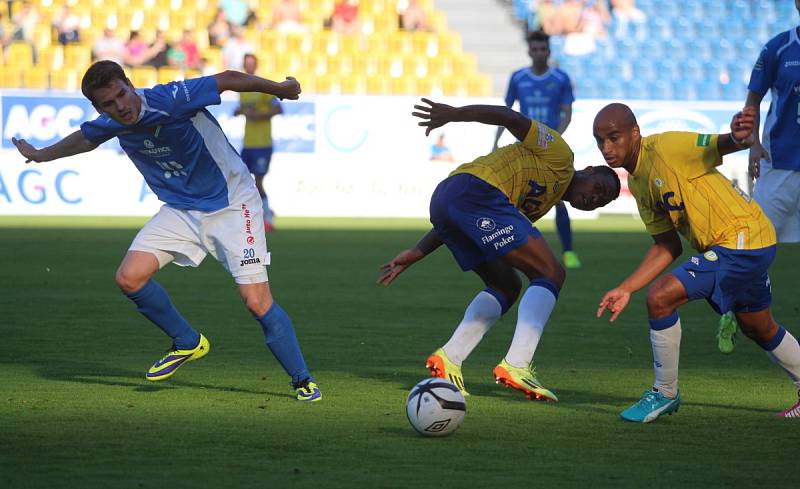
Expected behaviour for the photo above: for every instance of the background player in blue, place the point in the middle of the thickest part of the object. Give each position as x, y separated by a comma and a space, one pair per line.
774, 158
210, 202
545, 94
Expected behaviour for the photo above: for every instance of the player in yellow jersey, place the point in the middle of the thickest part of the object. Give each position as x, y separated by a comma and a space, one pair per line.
678, 189
258, 109
483, 212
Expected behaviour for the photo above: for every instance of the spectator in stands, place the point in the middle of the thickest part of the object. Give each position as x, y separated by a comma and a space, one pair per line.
569, 14
595, 19
344, 19
440, 151
219, 30
237, 12
136, 50
413, 16
234, 50
286, 17
190, 50
626, 13
5, 37
158, 51
25, 20
67, 25
109, 47
548, 18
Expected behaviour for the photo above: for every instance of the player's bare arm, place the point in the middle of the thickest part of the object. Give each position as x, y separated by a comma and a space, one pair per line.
665, 249
566, 118
741, 135
426, 245
71, 145
237, 81
436, 115
757, 151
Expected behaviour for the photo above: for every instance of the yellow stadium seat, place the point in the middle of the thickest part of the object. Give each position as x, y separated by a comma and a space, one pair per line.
365, 65
286, 65
326, 84
213, 58
323, 42
340, 65
77, 57
144, 76
429, 86
479, 85
36, 77
424, 43
19, 55
415, 64
440, 66
42, 35
449, 43
51, 57
379, 85
400, 43
349, 44
390, 65
321, 6
454, 87
315, 64
65, 79
404, 85
167, 74
10, 77
298, 43
354, 85
465, 65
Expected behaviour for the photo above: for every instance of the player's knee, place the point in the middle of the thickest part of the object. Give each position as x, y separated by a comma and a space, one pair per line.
557, 274
257, 304
760, 333
659, 302
128, 281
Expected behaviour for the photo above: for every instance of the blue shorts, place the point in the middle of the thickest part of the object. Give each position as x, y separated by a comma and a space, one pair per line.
476, 221
730, 280
257, 159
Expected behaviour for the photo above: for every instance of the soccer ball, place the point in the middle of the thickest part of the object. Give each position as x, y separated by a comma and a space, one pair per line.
435, 407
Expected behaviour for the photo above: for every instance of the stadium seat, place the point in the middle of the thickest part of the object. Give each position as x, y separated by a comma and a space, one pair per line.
77, 57
65, 79
19, 55
354, 84
479, 85
404, 85
144, 76
379, 85
10, 77
167, 74
36, 77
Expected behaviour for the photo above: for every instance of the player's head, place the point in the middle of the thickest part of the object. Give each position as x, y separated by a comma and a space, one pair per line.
250, 63
592, 187
617, 134
538, 47
111, 92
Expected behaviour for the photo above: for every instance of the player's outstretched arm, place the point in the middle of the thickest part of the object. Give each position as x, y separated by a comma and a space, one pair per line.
237, 81
436, 115
757, 151
666, 247
426, 245
73, 144
742, 132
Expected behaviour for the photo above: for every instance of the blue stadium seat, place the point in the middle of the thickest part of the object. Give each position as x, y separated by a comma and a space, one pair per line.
709, 90
693, 70
734, 91
638, 89
613, 88
668, 68
662, 90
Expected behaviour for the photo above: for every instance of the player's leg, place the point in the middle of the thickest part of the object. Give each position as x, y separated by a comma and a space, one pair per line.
564, 229
781, 346
502, 289
546, 275
165, 238
238, 242
664, 296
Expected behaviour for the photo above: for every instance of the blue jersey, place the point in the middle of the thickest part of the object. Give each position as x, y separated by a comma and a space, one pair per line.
540, 96
778, 70
179, 147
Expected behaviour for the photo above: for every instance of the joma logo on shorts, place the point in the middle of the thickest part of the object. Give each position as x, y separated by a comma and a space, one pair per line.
250, 261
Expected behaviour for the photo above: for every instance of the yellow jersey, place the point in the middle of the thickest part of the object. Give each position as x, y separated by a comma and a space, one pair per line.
257, 133
677, 186
533, 174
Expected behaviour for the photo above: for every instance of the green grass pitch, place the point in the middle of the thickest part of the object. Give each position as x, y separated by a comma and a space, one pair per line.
75, 410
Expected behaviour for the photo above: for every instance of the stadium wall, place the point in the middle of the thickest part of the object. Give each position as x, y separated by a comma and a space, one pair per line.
350, 156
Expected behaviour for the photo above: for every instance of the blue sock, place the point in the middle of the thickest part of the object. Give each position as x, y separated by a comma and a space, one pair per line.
154, 303
282, 342
563, 227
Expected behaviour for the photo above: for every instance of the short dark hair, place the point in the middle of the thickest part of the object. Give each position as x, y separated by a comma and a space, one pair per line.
251, 55
100, 75
614, 176
538, 35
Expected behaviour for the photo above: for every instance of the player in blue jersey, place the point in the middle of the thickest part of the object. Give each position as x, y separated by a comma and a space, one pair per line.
211, 205
774, 158
545, 94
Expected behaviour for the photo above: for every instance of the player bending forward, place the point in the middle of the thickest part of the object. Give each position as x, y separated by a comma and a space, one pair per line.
678, 189
483, 212
211, 203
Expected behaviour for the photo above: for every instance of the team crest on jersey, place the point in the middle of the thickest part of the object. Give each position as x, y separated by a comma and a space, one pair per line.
710, 256
658, 182
703, 140
486, 224
149, 144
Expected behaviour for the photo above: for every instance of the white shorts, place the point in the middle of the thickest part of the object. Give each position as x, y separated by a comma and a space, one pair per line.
234, 236
778, 193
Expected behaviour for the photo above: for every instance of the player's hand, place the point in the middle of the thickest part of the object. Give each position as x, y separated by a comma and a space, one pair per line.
742, 125
434, 116
390, 271
289, 89
615, 301
28, 151
757, 153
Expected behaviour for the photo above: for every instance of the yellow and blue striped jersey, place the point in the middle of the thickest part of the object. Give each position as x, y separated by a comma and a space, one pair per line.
677, 186
533, 174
